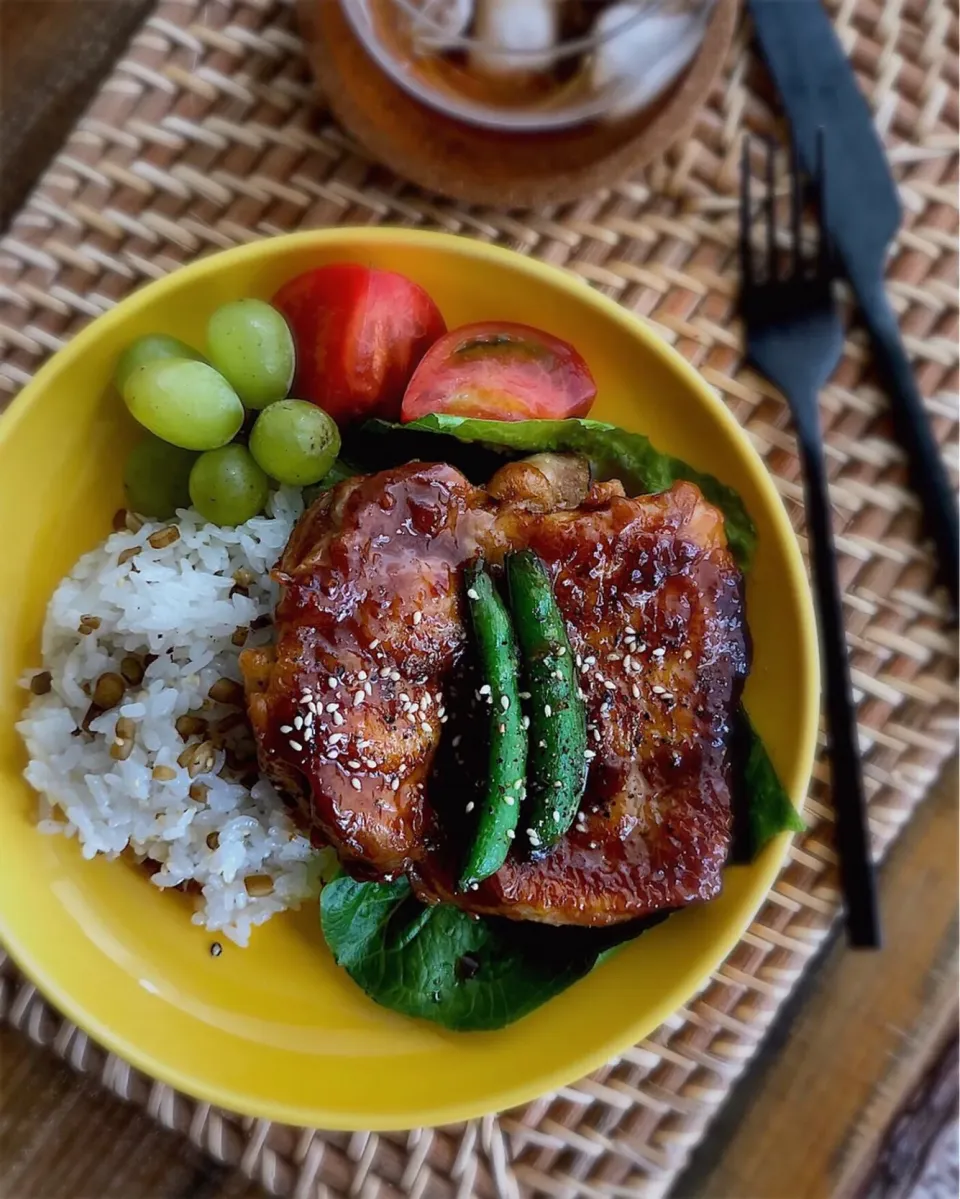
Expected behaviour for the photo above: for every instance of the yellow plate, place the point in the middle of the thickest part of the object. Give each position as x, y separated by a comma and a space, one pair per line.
277, 1030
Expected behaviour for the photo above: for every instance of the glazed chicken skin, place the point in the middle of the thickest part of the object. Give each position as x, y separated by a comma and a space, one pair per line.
350, 706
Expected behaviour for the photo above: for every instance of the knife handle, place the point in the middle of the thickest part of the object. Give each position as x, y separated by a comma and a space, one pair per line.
928, 474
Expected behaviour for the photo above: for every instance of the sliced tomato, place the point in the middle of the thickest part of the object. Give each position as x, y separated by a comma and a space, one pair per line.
359, 334
498, 370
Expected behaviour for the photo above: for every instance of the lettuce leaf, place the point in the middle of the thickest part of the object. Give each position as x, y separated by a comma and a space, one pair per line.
438, 963
613, 453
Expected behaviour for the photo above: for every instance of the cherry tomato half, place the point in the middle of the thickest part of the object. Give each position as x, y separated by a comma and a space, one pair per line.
359, 334
498, 370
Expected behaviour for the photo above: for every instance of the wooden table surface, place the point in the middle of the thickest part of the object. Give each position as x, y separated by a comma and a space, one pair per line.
855, 1092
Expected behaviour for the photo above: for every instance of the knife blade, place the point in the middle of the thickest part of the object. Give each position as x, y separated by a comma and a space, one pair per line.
862, 213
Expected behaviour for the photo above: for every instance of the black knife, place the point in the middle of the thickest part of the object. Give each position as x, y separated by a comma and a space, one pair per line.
819, 90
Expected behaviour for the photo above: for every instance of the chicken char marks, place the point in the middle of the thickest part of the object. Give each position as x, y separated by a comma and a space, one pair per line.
349, 707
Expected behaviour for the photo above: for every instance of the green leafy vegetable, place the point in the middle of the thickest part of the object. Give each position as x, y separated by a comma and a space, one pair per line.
341, 469
613, 453
441, 965
762, 807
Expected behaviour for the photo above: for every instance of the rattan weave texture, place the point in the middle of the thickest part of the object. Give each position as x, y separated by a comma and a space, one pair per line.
207, 134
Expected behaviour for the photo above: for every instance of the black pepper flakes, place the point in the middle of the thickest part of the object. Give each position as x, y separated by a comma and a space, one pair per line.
216, 949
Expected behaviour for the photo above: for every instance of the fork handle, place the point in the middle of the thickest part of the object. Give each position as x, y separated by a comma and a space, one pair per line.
856, 869
928, 474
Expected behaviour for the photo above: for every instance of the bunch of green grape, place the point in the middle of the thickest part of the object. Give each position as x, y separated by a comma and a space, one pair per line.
194, 407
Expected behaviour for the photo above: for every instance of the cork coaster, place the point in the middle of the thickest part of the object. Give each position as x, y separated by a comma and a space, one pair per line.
484, 166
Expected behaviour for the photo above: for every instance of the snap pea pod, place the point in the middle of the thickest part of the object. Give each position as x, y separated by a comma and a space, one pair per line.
558, 722
499, 810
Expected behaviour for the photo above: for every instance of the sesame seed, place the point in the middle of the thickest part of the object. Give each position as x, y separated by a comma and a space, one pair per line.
609, 686
395, 676
355, 784
426, 702
667, 695
556, 813
333, 754
417, 617
508, 800
658, 690
395, 785
561, 651
427, 727
335, 737
501, 728
628, 663
470, 806
374, 643
635, 691
337, 718
358, 698
472, 593
658, 653
475, 887
589, 754
285, 728
456, 741
332, 707
298, 722
367, 689
591, 661
484, 690
688, 654
361, 675
370, 763
525, 722
505, 702
354, 764
542, 744
547, 711
641, 647
510, 834
296, 746
593, 845
558, 784
403, 697
518, 784
579, 661
524, 694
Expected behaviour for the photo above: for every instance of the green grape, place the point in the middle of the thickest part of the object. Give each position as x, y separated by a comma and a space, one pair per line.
184, 402
156, 478
227, 487
295, 442
149, 349
251, 345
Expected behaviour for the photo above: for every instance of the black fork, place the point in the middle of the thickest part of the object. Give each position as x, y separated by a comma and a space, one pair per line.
795, 338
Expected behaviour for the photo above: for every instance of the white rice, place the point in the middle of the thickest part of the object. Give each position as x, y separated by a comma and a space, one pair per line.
174, 602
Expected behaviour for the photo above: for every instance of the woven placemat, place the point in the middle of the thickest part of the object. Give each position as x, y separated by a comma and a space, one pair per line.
208, 134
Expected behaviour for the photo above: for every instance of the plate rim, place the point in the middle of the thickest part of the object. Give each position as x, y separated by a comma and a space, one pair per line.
576, 1066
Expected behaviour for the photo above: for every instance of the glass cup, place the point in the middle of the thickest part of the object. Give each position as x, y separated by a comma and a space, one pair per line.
530, 65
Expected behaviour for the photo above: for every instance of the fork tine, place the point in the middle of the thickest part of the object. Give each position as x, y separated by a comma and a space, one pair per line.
796, 211
746, 255
770, 207
825, 248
